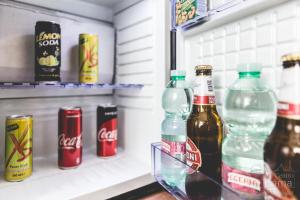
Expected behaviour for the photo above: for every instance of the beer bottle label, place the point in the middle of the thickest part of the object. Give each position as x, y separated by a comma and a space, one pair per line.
275, 187
289, 95
288, 110
204, 91
242, 181
174, 148
193, 155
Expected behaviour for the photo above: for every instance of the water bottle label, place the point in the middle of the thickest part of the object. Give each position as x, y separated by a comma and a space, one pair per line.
242, 181
193, 155
175, 149
288, 110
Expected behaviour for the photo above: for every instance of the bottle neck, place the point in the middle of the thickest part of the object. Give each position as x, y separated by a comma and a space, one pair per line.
204, 91
177, 78
204, 108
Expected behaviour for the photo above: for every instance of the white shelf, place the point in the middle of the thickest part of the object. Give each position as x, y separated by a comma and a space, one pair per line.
94, 175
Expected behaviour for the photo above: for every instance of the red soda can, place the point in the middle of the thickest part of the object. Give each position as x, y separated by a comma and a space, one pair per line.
107, 123
69, 137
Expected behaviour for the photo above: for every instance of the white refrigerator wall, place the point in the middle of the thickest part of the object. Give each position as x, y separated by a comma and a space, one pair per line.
243, 34
17, 23
141, 58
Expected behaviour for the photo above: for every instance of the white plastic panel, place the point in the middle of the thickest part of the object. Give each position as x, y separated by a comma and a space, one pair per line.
262, 37
141, 59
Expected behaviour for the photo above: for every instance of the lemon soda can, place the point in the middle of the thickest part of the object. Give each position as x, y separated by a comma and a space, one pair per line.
88, 58
47, 51
18, 147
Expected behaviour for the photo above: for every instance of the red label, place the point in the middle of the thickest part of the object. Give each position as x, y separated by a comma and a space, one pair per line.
175, 149
274, 187
193, 155
107, 138
200, 100
242, 181
288, 110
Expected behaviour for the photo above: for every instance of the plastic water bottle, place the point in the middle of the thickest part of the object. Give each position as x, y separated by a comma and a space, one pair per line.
249, 113
177, 102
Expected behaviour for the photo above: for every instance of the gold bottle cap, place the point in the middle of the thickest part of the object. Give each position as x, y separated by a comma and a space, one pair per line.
203, 67
291, 57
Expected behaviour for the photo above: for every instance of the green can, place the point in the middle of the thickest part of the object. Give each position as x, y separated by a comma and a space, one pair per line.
18, 147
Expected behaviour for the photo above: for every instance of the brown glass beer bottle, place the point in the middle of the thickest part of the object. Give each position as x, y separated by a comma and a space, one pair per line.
204, 127
282, 148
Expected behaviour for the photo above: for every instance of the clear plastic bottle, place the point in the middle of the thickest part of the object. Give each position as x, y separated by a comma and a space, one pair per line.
249, 112
177, 103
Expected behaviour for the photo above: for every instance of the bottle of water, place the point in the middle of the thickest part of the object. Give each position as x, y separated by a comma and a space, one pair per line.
177, 102
249, 112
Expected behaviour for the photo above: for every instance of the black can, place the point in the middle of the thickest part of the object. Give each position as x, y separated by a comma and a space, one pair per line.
47, 51
107, 123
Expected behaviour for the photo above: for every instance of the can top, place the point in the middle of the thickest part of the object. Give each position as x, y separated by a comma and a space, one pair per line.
18, 116
40, 23
88, 34
107, 105
70, 108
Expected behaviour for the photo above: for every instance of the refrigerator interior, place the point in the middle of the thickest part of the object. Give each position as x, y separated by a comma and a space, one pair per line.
134, 48
131, 50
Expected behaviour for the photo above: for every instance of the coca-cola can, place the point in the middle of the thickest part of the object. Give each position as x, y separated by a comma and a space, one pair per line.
69, 137
107, 123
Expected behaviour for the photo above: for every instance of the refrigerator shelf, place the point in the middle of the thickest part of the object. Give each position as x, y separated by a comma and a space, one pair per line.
19, 85
95, 178
186, 186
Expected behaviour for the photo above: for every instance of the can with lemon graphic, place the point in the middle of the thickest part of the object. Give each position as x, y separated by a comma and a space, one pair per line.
47, 51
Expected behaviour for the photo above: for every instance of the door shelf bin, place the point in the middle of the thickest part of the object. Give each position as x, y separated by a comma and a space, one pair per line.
184, 187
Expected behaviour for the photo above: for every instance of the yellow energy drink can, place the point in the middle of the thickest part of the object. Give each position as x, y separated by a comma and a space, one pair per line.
88, 58
18, 147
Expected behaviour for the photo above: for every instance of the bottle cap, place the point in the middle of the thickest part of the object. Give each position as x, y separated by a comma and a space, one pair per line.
177, 74
203, 67
249, 70
290, 57
249, 67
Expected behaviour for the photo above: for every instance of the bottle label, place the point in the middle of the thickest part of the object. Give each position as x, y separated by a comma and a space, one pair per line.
289, 95
174, 148
288, 110
242, 181
274, 187
193, 155
200, 100
204, 91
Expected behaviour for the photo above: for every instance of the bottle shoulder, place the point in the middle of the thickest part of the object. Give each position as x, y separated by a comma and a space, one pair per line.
251, 84
204, 117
